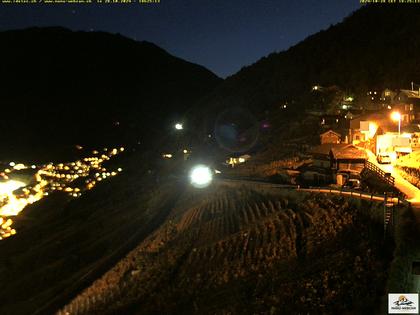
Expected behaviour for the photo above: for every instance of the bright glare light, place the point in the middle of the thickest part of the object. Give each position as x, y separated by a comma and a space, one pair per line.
179, 126
201, 176
13, 205
10, 186
372, 129
396, 116
19, 167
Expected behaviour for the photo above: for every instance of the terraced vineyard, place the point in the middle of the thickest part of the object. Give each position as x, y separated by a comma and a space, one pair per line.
411, 174
239, 251
408, 168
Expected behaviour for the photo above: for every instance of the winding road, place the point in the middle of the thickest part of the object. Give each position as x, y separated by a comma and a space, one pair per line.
411, 191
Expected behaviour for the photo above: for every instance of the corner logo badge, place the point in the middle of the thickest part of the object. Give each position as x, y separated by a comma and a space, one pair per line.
402, 303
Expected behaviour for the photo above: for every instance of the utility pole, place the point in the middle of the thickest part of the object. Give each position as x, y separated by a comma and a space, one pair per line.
412, 86
385, 223
388, 213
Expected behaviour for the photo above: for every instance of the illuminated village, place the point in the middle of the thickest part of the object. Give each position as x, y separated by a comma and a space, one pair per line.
22, 184
384, 131
273, 168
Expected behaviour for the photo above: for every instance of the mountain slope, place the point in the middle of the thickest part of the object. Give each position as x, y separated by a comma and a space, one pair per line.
235, 250
89, 87
375, 47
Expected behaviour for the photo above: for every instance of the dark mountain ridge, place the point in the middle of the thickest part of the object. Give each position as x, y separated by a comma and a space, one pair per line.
60, 86
375, 47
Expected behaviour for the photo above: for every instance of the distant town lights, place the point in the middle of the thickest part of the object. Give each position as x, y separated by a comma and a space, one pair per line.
10, 186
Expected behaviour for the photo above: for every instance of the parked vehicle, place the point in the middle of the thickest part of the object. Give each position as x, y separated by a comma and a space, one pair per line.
384, 158
353, 183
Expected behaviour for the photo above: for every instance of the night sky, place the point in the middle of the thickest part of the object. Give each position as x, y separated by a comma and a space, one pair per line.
222, 35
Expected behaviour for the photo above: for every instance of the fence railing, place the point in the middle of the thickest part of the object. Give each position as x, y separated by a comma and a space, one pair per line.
369, 166
396, 198
390, 197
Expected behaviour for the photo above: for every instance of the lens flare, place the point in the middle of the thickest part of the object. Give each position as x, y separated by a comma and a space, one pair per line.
201, 176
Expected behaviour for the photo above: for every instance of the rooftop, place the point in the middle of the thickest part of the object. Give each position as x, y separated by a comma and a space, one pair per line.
340, 151
410, 93
324, 149
349, 152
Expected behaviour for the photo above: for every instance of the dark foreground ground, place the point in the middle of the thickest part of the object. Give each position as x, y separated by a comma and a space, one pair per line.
63, 244
241, 250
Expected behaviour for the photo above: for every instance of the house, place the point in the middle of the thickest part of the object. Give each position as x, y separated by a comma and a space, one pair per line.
338, 158
388, 96
407, 102
232, 161
316, 176
364, 127
372, 101
330, 136
415, 141
395, 144
348, 158
321, 154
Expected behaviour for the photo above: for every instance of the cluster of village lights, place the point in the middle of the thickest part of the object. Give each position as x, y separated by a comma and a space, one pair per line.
72, 178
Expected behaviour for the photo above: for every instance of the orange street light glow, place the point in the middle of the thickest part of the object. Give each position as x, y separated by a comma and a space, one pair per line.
372, 129
396, 116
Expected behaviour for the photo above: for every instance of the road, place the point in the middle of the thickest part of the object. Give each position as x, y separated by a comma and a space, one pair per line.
411, 191
413, 196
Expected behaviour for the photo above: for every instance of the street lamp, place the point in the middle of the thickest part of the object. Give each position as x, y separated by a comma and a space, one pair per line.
201, 176
396, 116
179, 126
